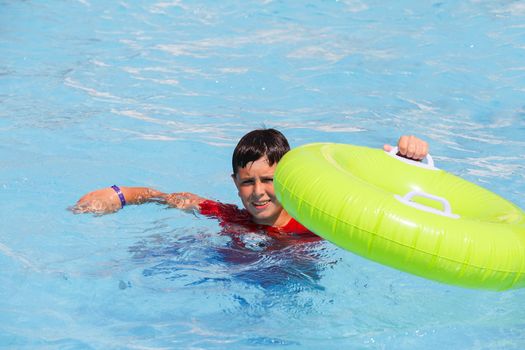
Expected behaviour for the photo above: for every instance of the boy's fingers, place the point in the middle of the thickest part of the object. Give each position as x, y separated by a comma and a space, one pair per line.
424, 151
402, 145
418, 151
421, 149
411, 147
387, 147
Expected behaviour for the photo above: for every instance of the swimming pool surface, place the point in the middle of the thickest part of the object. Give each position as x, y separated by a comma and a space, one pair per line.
145, 93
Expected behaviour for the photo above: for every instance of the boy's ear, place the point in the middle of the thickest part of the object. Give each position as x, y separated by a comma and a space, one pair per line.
234, 178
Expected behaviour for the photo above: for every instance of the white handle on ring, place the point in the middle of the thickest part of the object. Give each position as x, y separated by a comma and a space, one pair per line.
429, 164
447, 210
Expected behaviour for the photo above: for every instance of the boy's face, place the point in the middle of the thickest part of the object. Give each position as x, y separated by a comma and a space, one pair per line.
255, 185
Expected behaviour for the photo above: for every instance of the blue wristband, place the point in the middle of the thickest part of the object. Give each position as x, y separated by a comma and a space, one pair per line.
120, 195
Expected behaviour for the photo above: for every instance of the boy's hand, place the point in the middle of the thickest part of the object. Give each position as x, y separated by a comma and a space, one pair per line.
101, 201
183, 200
410, 147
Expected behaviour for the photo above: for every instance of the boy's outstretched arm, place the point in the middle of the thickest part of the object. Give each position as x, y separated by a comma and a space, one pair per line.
410, 147
107, 200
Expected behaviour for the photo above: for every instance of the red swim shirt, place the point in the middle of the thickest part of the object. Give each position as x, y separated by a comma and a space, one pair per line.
237, 221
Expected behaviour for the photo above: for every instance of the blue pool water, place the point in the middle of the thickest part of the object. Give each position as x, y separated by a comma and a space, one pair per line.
145, 93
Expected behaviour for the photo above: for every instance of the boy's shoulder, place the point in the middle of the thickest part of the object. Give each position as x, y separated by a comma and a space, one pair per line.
224, 212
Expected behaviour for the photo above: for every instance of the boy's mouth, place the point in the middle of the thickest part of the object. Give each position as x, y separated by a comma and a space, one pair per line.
261, 204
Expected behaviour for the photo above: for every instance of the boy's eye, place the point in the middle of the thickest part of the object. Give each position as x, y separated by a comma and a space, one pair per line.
247, 182
268, 180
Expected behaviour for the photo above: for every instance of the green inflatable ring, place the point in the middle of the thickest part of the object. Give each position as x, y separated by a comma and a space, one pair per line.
405, 214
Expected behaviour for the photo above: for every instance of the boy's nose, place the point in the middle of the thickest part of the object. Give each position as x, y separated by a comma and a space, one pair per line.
258, 188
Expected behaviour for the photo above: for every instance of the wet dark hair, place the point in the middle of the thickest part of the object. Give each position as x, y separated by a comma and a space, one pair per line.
258, 143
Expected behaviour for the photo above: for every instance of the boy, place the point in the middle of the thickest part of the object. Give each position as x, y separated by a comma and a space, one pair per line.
254, 161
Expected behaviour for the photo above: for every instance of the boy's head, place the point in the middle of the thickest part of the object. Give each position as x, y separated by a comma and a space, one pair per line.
257, 144
254, 161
